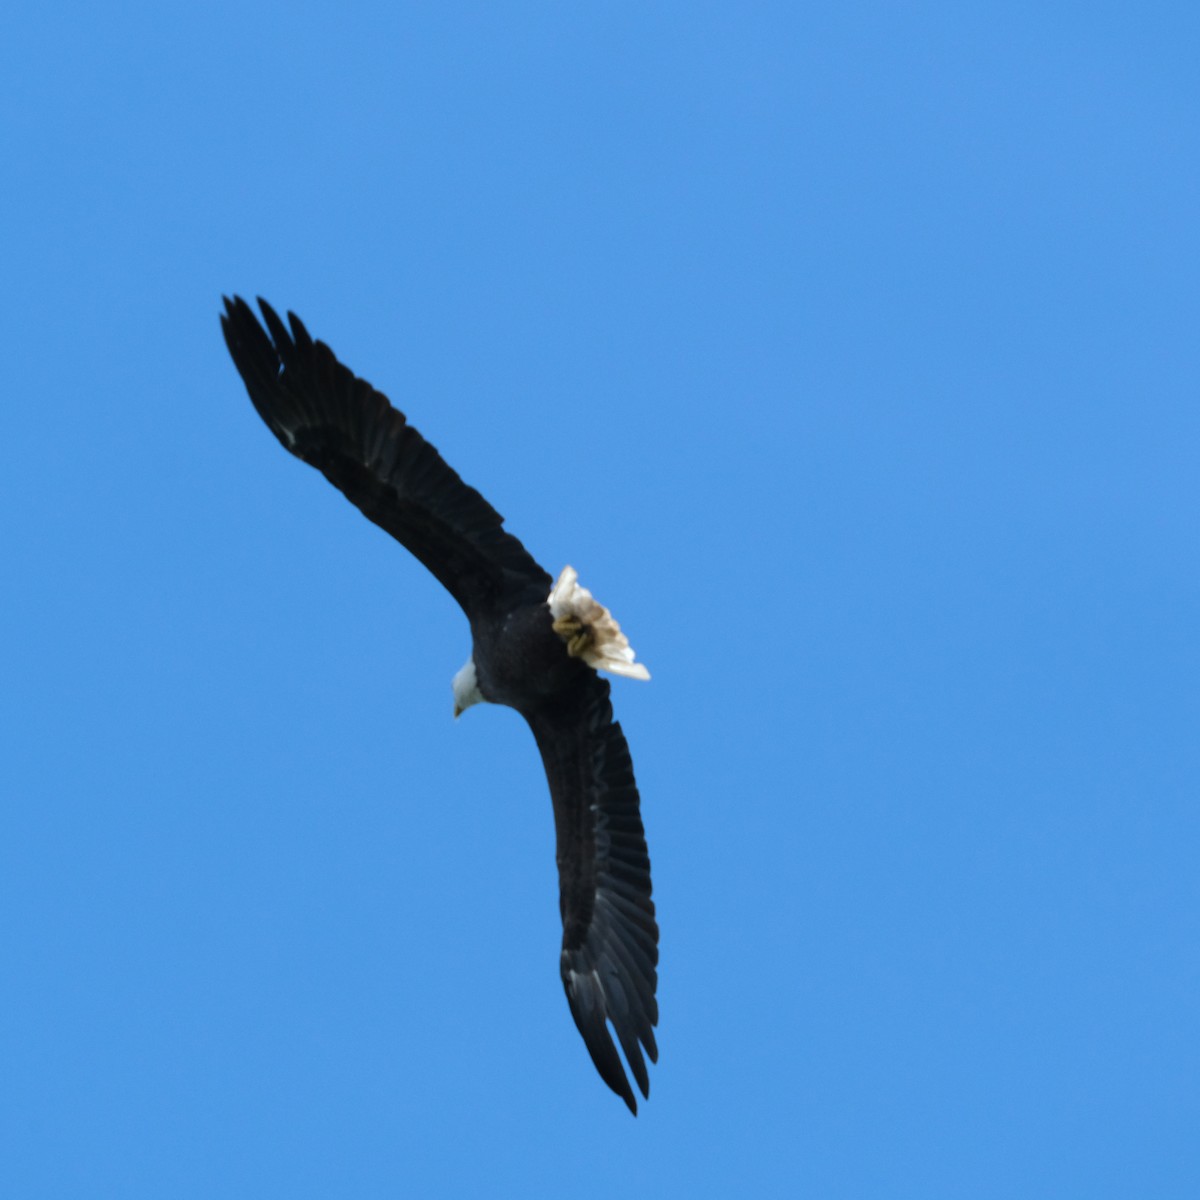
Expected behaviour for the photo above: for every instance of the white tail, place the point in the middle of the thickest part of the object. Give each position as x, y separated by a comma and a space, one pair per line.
589, 629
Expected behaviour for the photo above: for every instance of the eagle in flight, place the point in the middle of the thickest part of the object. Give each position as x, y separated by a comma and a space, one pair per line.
537, 645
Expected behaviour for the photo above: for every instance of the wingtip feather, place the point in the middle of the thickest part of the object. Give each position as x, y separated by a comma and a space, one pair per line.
585, 997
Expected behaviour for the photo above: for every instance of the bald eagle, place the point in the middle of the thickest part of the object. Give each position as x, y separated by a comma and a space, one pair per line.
537, 645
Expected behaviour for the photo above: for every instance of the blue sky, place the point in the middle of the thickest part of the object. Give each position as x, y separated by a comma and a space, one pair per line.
849, 353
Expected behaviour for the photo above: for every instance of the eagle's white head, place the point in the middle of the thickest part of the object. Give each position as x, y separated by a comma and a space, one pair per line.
466, 688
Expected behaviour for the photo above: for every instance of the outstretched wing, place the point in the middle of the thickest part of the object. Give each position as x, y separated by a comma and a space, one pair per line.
610, 937
338, 423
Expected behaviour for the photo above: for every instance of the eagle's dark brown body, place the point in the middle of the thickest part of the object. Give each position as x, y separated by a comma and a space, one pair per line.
520, 661
327, 417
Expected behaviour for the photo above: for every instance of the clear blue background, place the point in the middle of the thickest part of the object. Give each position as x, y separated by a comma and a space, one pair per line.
850, 353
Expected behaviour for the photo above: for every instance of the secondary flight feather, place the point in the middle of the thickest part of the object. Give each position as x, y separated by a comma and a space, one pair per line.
537, 645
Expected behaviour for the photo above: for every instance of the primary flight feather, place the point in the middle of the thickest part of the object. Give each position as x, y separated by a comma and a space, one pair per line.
536, 646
